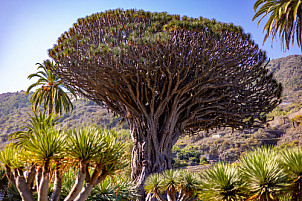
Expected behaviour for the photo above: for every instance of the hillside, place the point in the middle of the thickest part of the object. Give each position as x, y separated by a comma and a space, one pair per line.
288, 71
285, 126
16, 107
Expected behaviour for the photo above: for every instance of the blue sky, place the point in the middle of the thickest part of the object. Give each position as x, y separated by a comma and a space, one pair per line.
28, 28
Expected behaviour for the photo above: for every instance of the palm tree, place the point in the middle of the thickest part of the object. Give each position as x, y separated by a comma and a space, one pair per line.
285, 20
291, 161
264, 177
51, 90
222, 182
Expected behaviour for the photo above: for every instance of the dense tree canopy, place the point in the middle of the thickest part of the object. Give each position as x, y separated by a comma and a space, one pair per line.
166, 75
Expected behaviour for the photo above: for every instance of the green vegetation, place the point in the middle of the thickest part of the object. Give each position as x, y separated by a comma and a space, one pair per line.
53, 149
45, 153
174, 184
264, 174
222, 182
15, 107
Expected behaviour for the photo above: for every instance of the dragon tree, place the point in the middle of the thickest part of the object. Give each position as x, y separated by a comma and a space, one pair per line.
166, 76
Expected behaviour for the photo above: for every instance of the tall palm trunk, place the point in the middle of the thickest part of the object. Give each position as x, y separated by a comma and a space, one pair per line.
50, 109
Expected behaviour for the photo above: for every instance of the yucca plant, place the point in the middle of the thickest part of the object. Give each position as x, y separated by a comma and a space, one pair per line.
38, 122
291, 161
262, 172
44, 149
98, 154
44, 145
45, 153
152, 186
38, 151
222, 182
170, 183
174, 184
189, 185
114, 188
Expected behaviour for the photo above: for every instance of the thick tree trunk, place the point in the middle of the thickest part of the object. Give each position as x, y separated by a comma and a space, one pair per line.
21, 185
44, 184
151, 151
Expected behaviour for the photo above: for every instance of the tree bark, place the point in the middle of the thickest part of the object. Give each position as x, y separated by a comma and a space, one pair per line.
151, 151
96, 178
31, 177
38, 178
57, 185
77, 187
50, 105
300, 189
44, 184
10, 176
21, 185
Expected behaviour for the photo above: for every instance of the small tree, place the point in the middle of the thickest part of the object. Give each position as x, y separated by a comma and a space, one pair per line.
166, 76
45, 153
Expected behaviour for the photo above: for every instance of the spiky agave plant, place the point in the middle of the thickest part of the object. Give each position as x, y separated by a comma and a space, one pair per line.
114, 188
98, 154
262, 172
38, 122
291, 161
153, 185
174, 184
222, 182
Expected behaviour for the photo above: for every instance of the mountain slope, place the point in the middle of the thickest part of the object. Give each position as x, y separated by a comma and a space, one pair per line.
288, 71
16, 107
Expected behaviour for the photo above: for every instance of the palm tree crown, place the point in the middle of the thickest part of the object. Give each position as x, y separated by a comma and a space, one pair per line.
50, 91
284, 19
